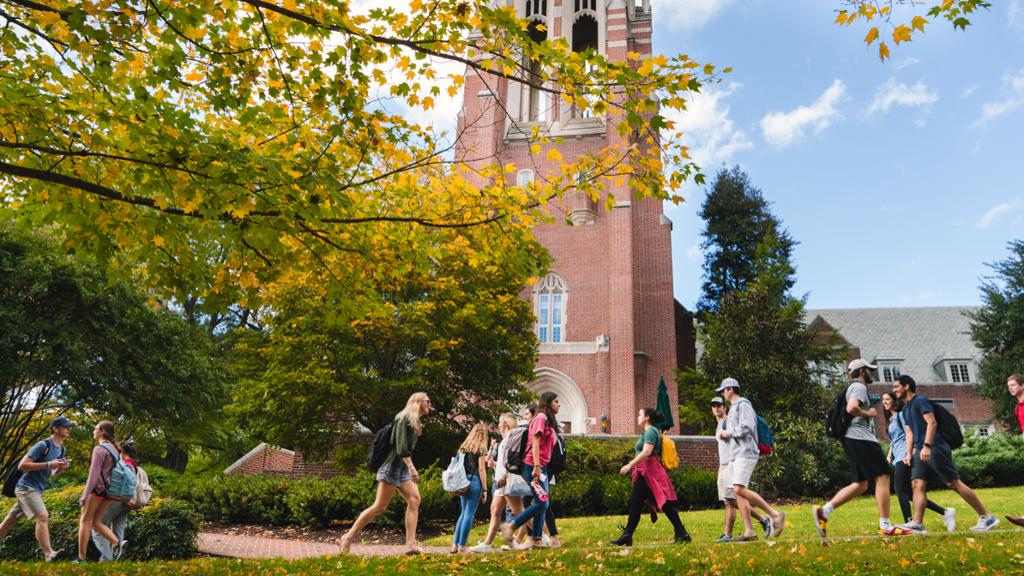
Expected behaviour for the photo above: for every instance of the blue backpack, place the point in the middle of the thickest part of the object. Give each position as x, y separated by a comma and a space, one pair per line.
765, 438
122, 479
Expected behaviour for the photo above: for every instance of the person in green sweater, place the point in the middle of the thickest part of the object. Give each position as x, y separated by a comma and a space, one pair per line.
397, 474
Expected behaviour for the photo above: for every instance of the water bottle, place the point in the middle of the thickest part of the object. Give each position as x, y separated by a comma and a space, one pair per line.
539, 490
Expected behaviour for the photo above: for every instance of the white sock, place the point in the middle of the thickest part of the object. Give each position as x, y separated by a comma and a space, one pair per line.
827, 509
884, 523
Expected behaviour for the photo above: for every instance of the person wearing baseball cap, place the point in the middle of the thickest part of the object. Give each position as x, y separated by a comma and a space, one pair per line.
725, 493
867, 461
43, 461
740, 431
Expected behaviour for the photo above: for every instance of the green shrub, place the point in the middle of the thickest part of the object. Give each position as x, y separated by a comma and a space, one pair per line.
593, 456
805, 461
240, 499
165, 530
695, 487
989, 461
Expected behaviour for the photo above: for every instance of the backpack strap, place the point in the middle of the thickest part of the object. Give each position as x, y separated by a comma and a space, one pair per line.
117, 457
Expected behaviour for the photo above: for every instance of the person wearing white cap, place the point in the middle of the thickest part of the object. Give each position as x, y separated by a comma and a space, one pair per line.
725, 493
867, 461
741, 432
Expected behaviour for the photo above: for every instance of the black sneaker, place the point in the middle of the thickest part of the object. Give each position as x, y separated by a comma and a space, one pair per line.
119, 549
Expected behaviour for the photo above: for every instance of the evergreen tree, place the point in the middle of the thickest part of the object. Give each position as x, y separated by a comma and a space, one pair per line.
737, 220
998, 330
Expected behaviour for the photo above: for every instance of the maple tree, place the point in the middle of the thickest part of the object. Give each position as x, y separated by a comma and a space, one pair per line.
214, 146
885, 17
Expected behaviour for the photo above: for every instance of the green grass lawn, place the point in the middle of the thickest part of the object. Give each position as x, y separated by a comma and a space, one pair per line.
586, 550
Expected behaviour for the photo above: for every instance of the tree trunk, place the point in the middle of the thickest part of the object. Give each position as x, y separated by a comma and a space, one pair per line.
177, 457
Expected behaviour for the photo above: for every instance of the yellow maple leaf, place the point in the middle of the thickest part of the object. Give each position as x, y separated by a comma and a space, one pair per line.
159, 241
883, 51
872, 36
48, 18
901, 34
918, 23
554, 155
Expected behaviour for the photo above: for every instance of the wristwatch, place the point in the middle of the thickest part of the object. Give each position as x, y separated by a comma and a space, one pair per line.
927, 445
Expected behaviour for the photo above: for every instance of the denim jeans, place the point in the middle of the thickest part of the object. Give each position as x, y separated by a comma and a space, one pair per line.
469, 501
537, 509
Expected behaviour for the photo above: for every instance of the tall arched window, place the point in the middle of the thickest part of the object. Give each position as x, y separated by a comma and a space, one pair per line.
584, 37
551, 296
524, 178
536, 100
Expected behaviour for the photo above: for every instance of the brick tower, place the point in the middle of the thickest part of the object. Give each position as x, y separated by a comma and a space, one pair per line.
606, 312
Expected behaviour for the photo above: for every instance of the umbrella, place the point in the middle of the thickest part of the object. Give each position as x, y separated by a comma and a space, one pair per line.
664, 406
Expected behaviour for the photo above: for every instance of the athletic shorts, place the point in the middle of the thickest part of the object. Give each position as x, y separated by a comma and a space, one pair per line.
941, 463
740, 471
867, 461
724, 483
28, 504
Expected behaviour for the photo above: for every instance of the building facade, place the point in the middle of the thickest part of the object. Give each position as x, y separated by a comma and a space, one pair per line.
606, 315
932, 345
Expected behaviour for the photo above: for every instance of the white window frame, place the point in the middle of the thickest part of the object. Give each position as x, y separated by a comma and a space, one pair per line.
958, 371
524, 178
545, 292
894, 371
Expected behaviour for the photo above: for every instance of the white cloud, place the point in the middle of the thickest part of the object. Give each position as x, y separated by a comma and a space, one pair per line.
894, 93
998, 210
920, 298
905, 63
694, 253
969, 91
1015, 16
1011, 97
782, 129
689, 14
708, 130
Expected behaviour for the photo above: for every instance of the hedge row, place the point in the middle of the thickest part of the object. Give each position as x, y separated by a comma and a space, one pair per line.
316, 501
167, 529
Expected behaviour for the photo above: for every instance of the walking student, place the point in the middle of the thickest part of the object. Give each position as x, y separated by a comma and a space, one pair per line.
725, 492
116, 517
867, 462
45, 460
397, 474
94, 499
740, 431
503, 480
1015, 386
542, 441
932, 453
650, 480
474, 451
897, 456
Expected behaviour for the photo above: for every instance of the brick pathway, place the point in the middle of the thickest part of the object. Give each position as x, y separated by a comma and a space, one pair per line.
232, 546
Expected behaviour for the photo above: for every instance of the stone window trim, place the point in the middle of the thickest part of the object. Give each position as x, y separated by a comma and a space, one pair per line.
550, 286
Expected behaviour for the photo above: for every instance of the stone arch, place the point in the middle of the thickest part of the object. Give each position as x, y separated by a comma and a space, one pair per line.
573, 406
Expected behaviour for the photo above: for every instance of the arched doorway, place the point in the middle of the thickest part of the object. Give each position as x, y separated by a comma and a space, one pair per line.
573, 406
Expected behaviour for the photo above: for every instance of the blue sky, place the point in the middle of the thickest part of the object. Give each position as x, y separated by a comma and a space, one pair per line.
900, 180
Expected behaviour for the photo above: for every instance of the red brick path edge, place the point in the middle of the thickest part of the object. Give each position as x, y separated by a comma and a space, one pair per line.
255, 547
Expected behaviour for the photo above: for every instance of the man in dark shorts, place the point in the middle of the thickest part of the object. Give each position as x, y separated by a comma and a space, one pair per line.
867, 461
932, 454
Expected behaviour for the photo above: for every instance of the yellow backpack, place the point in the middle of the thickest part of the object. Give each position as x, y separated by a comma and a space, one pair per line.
669, 457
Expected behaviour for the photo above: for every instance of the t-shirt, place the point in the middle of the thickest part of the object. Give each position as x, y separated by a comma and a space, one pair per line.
539, 427
650, 436
471, 463
914, 412
724, 449
37, 479
897, 438
860, 428
1019, 411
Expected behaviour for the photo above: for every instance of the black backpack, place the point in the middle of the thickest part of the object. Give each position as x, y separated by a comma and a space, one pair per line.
837, 419
380, 448
948, 425
516, 450
557, 463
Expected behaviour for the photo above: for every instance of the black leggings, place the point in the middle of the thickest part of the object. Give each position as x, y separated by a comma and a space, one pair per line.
640, 494
905, 493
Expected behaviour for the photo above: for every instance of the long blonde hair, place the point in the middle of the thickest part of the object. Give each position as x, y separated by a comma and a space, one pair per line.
412, 411
508, 419
476, 441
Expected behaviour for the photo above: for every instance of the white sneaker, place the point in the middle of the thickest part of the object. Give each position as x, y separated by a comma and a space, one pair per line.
546, 540
528, 545
481, 548
914, 528
985, 523
949, 519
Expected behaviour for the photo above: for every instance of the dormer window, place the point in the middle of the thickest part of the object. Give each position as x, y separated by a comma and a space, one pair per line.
888, 371
958, 372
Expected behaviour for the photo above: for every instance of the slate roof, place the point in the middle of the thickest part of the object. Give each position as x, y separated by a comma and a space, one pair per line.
919, 338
